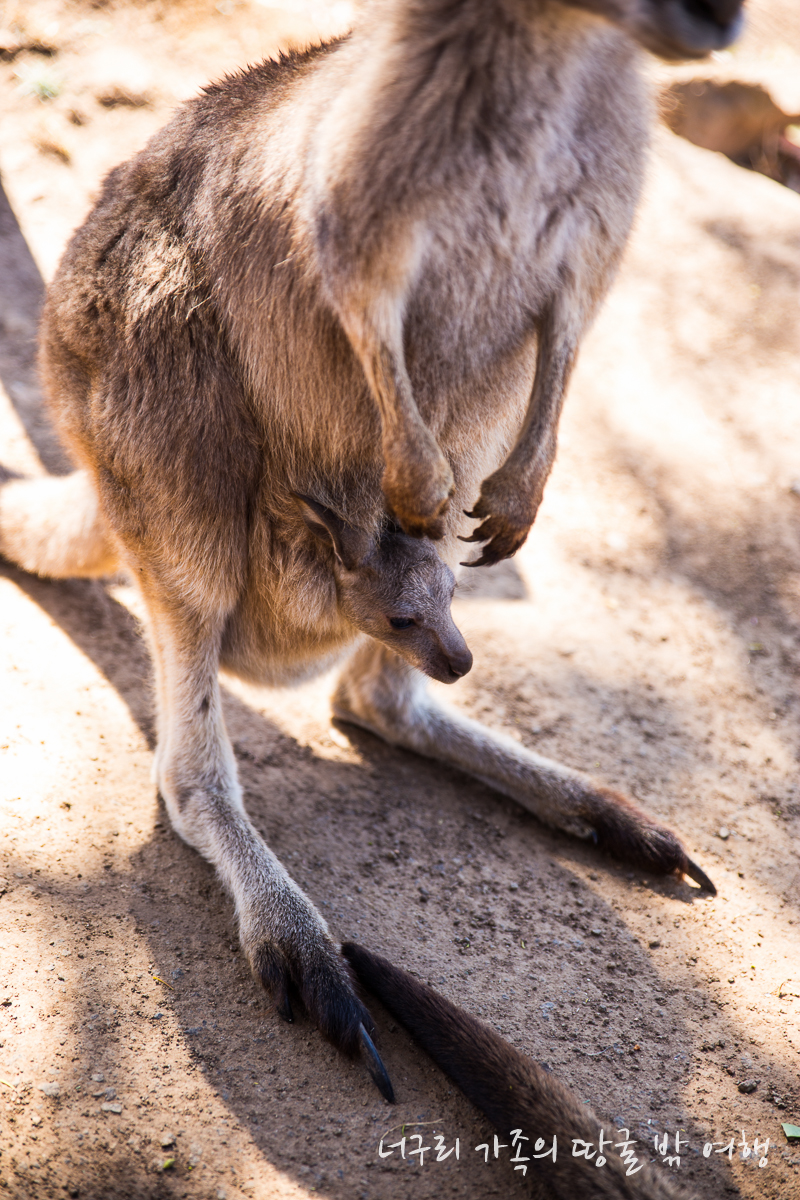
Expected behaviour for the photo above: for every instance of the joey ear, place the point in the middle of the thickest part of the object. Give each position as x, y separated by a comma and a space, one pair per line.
350, 545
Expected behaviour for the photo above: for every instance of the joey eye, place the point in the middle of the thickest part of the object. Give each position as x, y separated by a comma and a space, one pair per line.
401, 622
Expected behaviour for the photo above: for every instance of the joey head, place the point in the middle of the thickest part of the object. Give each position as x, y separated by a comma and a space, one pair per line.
396, 589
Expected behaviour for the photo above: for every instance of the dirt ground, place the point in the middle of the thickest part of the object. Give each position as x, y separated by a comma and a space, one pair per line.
648, 632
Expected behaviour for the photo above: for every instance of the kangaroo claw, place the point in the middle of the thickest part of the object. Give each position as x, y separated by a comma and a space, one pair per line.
375, 1067
699, 876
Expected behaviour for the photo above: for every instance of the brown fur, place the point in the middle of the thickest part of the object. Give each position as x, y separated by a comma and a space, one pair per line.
358, 275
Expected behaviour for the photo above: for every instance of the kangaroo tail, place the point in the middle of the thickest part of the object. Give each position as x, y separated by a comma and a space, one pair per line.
515, 1093
53, 526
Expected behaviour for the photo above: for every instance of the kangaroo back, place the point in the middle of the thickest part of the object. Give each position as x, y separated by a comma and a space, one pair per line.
512, 1090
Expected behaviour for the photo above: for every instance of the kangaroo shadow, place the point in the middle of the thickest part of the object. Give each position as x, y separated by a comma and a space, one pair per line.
21, 299
403, 855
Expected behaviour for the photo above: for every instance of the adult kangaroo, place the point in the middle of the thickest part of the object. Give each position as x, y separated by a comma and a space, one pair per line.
358, 275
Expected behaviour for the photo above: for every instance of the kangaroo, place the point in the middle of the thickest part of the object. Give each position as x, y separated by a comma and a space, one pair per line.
358, 275
516, 1094
739, 120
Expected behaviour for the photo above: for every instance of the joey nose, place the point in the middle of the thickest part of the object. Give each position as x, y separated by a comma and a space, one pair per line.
722, 11
460, 663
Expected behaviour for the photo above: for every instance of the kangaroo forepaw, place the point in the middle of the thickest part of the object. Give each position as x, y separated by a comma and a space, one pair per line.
503, 539
506, 515
418, 485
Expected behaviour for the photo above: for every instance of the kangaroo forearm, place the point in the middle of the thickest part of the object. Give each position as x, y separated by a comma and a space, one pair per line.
417, 481
532, 457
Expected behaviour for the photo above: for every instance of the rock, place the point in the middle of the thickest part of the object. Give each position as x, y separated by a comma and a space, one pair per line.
112, 1108
748, 1085
50, 1089
167, 1140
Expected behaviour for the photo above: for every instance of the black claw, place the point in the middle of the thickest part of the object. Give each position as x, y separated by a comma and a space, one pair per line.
483, 560
694, 872
472, 516
375, 1067
473, 537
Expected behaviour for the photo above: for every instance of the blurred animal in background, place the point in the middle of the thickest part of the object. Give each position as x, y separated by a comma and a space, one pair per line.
740, 120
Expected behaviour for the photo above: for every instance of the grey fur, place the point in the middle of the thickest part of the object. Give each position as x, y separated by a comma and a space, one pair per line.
359, 275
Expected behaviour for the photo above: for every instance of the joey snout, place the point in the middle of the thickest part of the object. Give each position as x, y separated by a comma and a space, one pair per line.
450, 659
437, 649
431, 644
400, 593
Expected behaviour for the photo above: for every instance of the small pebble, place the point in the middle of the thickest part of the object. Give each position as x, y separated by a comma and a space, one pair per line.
112, 1108
167, 1140
747, 1086
654, 945
723, 833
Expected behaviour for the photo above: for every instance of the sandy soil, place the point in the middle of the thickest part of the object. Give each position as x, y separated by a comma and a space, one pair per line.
648, 632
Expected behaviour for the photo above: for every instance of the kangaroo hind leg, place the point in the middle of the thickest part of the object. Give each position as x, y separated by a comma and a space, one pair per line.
381, 693
53, 526
284, 937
